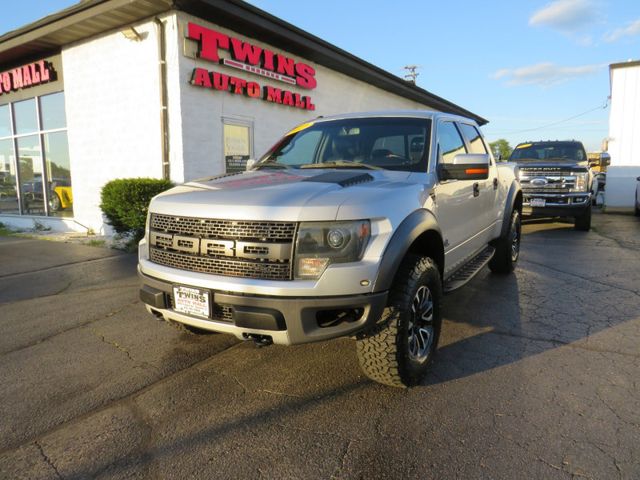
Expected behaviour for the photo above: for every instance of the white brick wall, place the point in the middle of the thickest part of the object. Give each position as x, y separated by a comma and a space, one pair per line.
113, 115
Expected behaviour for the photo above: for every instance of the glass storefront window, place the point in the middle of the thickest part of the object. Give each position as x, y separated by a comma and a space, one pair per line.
26, 116
56, 154
5, 121
30, 174
8, 194
52, 111
35, 171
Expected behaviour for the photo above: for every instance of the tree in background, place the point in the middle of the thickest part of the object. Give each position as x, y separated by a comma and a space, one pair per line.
501, 148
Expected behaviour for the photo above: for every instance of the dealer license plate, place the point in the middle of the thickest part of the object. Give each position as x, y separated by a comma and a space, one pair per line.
537, 202
192, 301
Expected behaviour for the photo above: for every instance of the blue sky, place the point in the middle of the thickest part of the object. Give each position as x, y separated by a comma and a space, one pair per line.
527, 66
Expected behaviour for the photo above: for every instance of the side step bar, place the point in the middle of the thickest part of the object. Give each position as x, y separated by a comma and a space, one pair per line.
469, 270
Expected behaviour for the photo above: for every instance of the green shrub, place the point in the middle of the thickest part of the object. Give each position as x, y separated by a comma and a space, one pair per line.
125, 203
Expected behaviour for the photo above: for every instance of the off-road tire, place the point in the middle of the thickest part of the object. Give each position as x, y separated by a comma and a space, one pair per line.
508, 246
384, 352
583, 222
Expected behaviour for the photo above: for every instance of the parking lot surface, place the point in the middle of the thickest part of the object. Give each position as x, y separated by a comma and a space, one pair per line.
537, 376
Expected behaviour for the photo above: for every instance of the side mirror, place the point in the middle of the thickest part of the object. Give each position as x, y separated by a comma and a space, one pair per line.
250, 164
638, 179
605, 159
466, 166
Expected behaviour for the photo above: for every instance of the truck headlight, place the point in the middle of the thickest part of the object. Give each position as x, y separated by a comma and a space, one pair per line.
319, 244
581, 182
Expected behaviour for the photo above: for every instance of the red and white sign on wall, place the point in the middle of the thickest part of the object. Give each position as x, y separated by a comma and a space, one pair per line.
253, 59
26, 76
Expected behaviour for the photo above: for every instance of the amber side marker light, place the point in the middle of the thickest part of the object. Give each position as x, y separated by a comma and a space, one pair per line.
476, 171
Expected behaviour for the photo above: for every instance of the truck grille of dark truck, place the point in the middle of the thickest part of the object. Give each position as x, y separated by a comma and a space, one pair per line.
225, 265
556, 181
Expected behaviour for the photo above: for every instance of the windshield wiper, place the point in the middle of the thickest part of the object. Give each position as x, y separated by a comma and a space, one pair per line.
341, 164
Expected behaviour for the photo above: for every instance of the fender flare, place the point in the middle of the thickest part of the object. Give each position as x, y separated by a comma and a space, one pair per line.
509, 205
417, 223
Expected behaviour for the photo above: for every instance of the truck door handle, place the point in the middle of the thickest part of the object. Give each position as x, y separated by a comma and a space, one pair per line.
495, 183
476, 189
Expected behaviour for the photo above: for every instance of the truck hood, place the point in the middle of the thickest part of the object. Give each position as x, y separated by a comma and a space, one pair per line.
280, 195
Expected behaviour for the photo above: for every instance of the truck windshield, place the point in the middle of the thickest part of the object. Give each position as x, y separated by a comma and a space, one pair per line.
393, 143
560, 151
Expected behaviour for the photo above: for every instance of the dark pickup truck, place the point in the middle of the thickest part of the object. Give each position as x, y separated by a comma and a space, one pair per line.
556, 180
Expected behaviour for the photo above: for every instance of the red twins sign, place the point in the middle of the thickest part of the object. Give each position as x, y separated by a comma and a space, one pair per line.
252, 59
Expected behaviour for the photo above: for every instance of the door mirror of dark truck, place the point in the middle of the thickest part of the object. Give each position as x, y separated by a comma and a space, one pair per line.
467, 166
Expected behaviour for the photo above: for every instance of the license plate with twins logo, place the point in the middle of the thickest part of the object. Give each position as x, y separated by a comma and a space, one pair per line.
192, 301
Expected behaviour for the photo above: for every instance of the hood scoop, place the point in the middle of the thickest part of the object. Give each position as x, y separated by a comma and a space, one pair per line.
344, 179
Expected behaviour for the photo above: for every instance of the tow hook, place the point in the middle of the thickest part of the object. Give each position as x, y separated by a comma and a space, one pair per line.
258, 340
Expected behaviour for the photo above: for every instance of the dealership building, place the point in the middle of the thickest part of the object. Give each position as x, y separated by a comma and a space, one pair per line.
176, 89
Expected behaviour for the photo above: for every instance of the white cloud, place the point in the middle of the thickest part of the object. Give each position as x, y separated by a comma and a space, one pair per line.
631, 29
566, 15
543, 74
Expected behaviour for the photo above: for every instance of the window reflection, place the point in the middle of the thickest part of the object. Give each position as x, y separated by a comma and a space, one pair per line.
8, 194
5, 121
30, 171
56, 152
26, 117
450, 142
52, 111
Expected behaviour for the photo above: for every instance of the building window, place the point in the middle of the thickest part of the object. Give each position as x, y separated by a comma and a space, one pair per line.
237, 140
35, 173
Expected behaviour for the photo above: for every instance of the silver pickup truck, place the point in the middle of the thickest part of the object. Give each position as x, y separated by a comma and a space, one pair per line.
353, 225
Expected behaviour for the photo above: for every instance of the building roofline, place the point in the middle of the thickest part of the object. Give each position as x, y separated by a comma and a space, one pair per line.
48, 34
629, 63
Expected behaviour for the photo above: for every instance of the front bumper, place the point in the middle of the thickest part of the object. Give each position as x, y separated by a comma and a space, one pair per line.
286, 320
556, 204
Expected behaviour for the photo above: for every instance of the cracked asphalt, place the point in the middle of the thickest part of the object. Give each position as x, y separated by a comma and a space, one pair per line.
537, 376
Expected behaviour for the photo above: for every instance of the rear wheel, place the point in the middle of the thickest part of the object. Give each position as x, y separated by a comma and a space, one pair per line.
583, 222
508, 247
398, 351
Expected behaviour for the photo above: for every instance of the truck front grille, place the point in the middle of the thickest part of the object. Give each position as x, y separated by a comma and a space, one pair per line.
225, 229
244, 249
219, 266
554, 182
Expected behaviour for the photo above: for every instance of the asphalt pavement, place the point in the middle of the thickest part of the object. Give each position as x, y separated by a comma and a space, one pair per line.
537, 376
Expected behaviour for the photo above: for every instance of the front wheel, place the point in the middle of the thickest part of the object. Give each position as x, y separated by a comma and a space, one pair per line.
508, 246
55, 204
583, 221
398, 351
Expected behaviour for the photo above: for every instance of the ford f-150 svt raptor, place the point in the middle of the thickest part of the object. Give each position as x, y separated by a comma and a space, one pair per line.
351, 225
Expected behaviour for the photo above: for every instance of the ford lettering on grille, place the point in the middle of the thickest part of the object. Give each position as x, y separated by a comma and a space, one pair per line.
226, 248
234, 248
